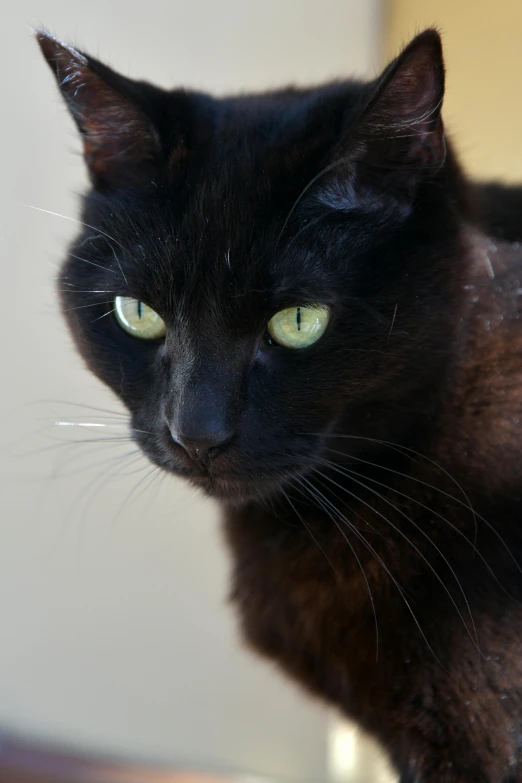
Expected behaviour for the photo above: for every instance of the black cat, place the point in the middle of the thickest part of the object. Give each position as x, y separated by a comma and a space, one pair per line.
297, 296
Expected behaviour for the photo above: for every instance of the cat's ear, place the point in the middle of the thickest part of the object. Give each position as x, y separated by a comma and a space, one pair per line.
121, 146
402, 122
398, 139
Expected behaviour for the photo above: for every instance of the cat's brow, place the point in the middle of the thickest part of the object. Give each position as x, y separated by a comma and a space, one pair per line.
249, 291
311, 293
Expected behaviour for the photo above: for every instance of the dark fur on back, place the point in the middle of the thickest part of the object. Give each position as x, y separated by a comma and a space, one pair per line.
370, 483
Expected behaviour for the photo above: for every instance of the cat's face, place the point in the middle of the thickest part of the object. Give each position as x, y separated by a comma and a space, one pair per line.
240, 305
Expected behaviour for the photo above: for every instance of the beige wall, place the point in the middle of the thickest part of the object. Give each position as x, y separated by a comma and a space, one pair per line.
483, 51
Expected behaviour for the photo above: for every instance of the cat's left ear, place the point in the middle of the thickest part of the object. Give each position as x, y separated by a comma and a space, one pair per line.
121, 145
398, 139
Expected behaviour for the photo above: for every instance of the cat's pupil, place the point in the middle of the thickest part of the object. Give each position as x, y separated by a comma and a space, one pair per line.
140, 309
298, 318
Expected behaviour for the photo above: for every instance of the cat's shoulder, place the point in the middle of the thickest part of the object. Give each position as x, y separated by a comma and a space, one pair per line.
491, 290
484, 410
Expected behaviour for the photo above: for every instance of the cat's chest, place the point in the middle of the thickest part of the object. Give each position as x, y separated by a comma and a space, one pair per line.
303, 603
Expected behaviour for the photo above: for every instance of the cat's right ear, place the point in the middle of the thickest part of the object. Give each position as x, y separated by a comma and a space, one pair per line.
121, 145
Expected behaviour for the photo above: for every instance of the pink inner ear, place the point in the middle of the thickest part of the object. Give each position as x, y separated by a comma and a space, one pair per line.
402, 125
117, 137
411, 93
120, 144
399, 138
416, 91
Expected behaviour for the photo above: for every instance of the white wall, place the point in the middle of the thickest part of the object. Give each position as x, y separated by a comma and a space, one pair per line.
115, 634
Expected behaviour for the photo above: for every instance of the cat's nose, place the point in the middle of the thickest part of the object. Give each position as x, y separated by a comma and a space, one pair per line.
202, 449
205, 415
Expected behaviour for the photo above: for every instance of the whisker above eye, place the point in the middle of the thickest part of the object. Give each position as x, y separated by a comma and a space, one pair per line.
80, 291
93, 263
94, 228
104, 315
75, 220
81, 307
90, 238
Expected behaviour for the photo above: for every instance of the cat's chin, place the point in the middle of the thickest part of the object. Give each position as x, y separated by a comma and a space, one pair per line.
227, 488
236, 490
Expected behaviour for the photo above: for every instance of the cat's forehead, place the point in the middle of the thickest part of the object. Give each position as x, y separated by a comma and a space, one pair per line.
214, 238
263, 149
217, 261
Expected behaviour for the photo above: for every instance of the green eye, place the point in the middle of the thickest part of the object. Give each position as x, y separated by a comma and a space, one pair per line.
138, 319
299, 327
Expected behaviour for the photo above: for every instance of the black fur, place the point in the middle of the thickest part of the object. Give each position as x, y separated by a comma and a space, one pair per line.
373, 475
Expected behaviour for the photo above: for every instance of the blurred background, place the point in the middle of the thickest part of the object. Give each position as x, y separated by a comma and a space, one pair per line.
116, 638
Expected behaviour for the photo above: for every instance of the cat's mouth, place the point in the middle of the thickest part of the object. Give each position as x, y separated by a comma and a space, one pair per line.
232, 487
227, 478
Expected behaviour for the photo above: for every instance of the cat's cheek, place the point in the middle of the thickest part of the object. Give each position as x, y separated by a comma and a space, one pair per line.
128, 369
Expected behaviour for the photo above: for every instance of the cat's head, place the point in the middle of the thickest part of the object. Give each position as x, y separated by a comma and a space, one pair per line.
256, 272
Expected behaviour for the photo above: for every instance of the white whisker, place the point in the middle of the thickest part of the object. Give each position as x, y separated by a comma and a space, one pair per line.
87, 225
